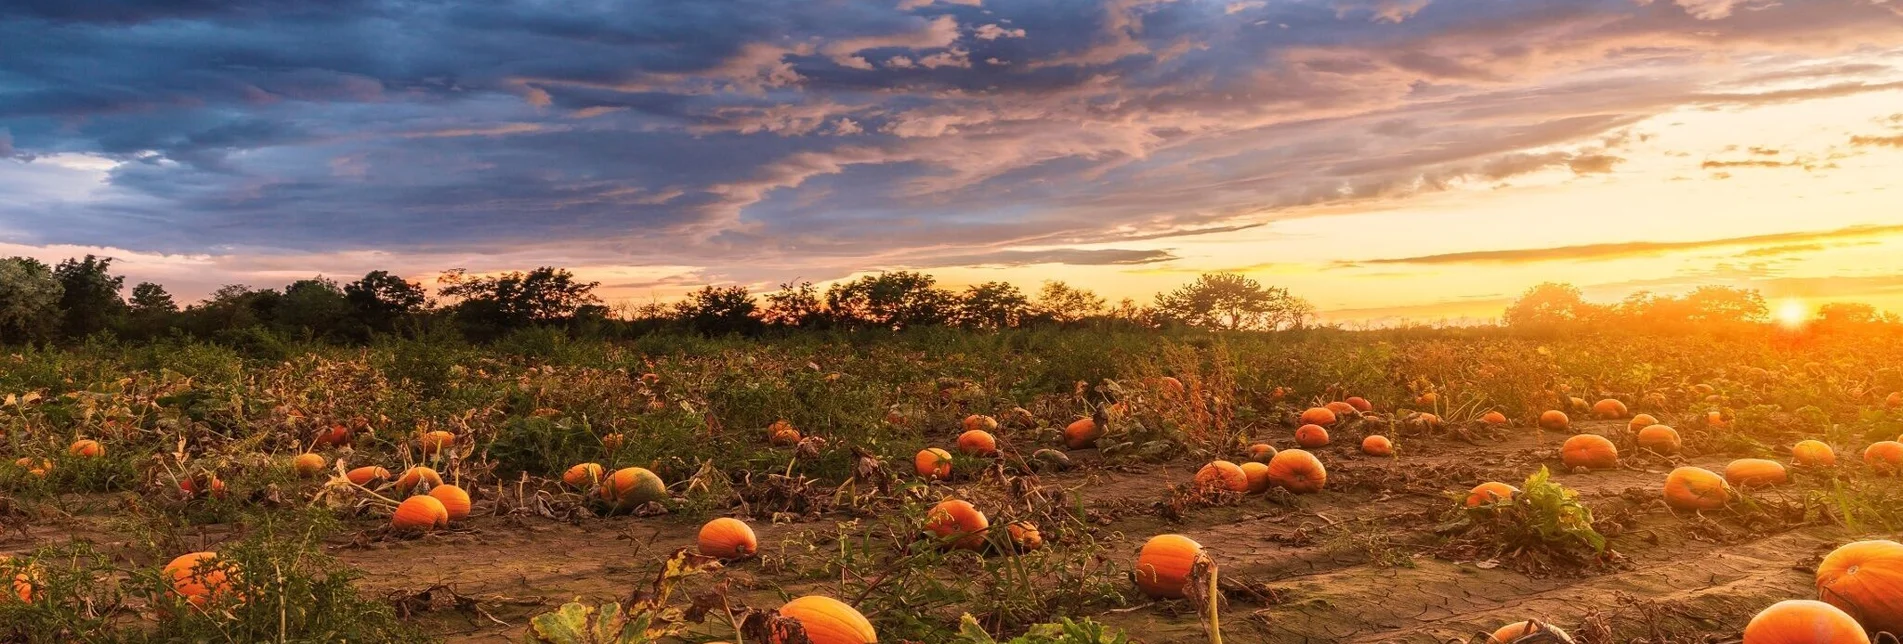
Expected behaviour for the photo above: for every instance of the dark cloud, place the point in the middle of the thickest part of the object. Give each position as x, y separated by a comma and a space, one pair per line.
1072, 256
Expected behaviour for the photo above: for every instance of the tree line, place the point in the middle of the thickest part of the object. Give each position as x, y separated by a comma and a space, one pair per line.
1558, 306
81, 298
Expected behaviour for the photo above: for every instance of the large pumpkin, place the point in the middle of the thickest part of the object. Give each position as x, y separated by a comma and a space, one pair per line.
1298, 471
1082, 433
1490, 493
416, 476
1222, 475
420, 513
1694, 488
1590, 451
1164, 565
1865, 579
1377, 445
1886, 457
1813, 453
1609, 409
1359, 403
727, 538
933, 464
1258, 475
1803, 621
1661, 439
583, 475
978, 442
1311, 436
1641, 422
1526, 632
455, 501
960, 521
1554, 420
1755, 472
200, 578
629, 487
1493, 418
1318, 416
828, 621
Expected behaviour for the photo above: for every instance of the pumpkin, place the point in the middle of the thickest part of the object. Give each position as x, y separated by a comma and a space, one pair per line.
933, 464
455, 501
1082, 433
1311, 436
1261, 452
1342, 409
23, 581
1169, 385
1377, 445
199, 578
1222, 475
86, 448
650, 378
1609, 409
1716, 419
1278, 394
1885, 457
1525, 631
336, 435
978, 442
1755, 472
1661, 439
415, 476
1813, 453
1894, 400
1865, 579
1490, 493
1318, 416
1695, 488
1297, 471
827, 621
1577, 404
782, 434
1640, 422
1803, 621
959, 521
727, 538
436, 441
308, 464
1024, 536
1359, 403
367, 474
629, 487
583, 475
1493, 418
1258, 475
1555, 420
612, 442
1164, 565
38, 469
1428, 399
202, 483
420, 513
1590, 451
1426, 421
1703, 389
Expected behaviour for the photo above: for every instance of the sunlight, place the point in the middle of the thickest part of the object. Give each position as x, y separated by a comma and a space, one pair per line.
1792, 313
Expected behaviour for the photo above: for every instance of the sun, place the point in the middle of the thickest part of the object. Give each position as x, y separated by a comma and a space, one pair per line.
1793, 313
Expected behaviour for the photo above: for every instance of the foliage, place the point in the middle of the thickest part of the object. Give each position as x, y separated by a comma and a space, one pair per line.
1064, 631
89, 297
30, 297
648, 619
1233, 302
993, 305
895, 300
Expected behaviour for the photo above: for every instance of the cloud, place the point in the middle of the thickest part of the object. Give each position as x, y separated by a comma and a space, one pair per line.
1873, 141
1071, 256
1635, 248
994, 32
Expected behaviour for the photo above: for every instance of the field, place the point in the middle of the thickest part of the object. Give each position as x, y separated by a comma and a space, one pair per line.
196, 446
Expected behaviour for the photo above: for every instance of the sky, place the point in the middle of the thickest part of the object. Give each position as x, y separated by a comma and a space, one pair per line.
1388, 160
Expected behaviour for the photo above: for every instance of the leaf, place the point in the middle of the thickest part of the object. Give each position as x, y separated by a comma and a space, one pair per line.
567, 625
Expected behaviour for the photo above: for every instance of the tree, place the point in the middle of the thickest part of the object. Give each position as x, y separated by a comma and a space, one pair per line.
720, 310
316, 307
1549, 305
490, 306
1847, 314
893, 300
29, 301
1233, 302
795, 305
1724, 304
993, 305
89, 300
380, 300
151, 310
230, 308
1063, 304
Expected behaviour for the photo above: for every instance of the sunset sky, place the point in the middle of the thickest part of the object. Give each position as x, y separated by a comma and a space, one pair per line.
1385, 159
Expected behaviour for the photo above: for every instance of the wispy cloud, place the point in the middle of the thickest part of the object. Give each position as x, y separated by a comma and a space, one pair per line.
1634, 248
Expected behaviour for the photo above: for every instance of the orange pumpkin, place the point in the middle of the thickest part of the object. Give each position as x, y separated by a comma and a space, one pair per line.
629, 487
1755, 472
1318, 416
782, 434
308, 464
202, 483
827, 621
1694, 488
1493, 418
1716, 419
420, 513
1222, 475
86, 448
1813, 453
980, 423
1661, 439
1377, 445
1577, 404
201, 579
933, 464
1359, 403
1525, 631
1297, 471
367, 475
1609, 409
1311, 436
1865, 579
1886, 457
1258, 475
1489, 493
436, 441
959, 521
1342, 409
583, 475
38, 469
1164, 565
415, 476
1428, 400
1024, 536
1278, 394
23, 581
336, 435
1590, 451
1640, 422
727, 538
1894, 400
611, 443
1803, 621
455, 501
1261, 452
1555, 420
1082, 433
978, 442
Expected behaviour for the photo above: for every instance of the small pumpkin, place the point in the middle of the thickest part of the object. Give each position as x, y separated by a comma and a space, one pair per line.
308, 464
1082, 433
583, 475
1695, 488
1222, 475
782, 434
1865, 579
1490, 493
1894, 400
201, 578
1576, 403
1297, 471
1261, 452
1640, 422
978, 442
1258, 475
612, 443
933, 464
1428, 400
1755, 472
1886, 457
1311, 436
420, 513
980, 423
367, 475
1360, 404
455, 501
416, 476
1342, 409
86, 448
23, 581
1803, 621
827, 621
1609, 409
1377, 445
1554, 420
727, 538
334, 436
1318, 416
1529, 631
1661, 439
630, 487
1164, 565
958, 521
435, 442
1590, 451
1024, 536
1813, 453
1493, 418
202, 483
